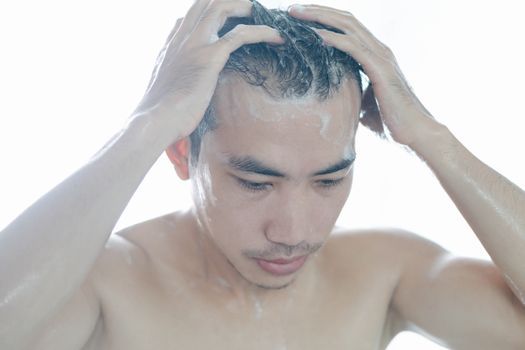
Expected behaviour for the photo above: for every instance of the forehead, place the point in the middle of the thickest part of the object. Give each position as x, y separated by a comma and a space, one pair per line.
251, 122
237, 102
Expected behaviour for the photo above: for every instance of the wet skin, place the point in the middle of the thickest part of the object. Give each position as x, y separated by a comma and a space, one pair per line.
156, 292
189, 280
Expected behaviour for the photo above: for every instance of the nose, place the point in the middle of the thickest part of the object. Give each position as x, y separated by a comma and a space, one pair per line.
289, 222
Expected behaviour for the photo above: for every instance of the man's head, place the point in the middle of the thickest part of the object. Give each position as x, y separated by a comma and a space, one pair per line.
303, 65
271, 162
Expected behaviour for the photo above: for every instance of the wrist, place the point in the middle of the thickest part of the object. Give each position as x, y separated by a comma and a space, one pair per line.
435, 143
152, 129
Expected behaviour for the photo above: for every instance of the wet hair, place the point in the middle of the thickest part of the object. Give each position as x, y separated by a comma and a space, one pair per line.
302, 65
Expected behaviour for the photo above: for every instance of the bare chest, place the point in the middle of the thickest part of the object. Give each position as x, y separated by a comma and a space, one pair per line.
356, 317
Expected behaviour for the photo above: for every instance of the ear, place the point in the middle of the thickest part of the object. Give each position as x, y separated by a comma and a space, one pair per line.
370, 114
178, 154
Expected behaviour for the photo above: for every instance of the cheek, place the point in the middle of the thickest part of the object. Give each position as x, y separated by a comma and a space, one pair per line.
231, 215
330, 207
328, 211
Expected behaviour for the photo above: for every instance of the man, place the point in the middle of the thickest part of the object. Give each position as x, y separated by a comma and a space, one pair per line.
253, 264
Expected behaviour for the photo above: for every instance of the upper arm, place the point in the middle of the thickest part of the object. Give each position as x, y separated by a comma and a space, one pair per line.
71, 326
460, 302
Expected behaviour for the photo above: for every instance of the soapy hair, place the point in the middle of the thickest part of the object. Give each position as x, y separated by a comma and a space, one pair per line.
302, 65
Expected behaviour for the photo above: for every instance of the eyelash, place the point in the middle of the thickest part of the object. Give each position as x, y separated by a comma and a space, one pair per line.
262, 186
330, 183
253, 186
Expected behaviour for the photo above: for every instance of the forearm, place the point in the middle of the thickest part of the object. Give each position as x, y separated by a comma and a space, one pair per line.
47, 251
493, 206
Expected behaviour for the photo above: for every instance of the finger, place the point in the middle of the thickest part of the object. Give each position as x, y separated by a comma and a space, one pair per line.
175, 29
247, 34
324, 15
193, 15
301, 10
342, 20
347, 43
376, 62
162, 53
216, 14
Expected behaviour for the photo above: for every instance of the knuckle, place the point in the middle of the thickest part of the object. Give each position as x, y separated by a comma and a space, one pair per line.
388, 54
209, 13
229, 37
348, 15
236, 33
223, 48
365, 48
241, 29
387, 51
215, 8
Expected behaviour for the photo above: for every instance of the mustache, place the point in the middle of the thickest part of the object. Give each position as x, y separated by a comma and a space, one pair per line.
279, 250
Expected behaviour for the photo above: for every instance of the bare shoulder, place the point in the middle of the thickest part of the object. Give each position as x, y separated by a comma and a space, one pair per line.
166, 232
374, 262
381, 244
134, 251
125, 257
387, 252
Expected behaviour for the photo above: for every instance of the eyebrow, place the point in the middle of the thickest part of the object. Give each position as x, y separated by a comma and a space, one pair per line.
342, 164
249, 164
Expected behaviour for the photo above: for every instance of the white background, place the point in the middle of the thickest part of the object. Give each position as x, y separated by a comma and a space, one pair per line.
71, 72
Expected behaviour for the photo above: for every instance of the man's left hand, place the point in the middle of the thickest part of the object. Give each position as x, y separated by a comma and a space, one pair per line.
407, 120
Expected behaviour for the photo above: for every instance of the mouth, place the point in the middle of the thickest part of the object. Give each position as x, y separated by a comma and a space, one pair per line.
282, 267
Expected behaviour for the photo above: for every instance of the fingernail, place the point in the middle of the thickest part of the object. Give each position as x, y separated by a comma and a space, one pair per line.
296, 8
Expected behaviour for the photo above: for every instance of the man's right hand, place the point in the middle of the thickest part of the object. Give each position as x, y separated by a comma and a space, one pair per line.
187, 68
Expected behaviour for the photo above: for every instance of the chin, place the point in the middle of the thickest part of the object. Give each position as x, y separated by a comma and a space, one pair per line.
272, 282
267, 283
274, 286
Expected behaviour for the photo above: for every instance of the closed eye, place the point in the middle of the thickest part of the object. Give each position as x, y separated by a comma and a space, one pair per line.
253, 186
328, 183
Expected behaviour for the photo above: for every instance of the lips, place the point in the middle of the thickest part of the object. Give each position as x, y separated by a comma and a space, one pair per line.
282, 267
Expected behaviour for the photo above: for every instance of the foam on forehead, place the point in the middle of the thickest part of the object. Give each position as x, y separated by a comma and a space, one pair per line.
239, 102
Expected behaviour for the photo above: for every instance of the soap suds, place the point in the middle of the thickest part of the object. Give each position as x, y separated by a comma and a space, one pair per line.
203, 186
258, 309
24, 284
